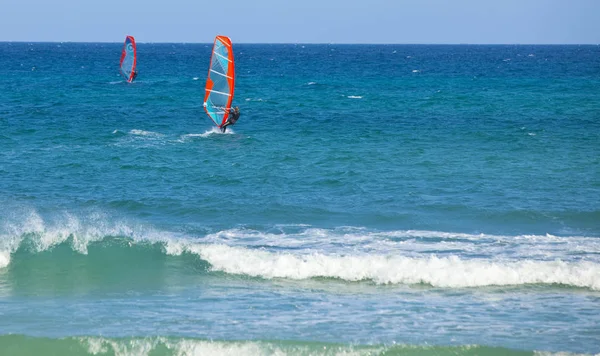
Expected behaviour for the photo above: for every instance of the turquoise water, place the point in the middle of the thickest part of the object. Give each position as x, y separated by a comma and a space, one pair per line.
388, 199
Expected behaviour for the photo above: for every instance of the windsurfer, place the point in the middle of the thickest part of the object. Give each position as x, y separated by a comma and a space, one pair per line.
234, 115
134, 75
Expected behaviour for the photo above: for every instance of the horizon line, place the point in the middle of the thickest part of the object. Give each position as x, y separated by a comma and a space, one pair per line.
323, 43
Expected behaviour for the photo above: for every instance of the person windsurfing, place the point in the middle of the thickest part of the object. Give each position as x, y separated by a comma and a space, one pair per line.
135, 73
234, 115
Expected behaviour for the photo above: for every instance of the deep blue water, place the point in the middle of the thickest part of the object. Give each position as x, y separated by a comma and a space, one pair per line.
371, 199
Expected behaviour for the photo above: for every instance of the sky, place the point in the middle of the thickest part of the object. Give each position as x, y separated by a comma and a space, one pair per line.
304, 21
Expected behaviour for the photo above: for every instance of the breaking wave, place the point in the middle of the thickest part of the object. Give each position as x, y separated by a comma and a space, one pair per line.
24, 345
301, 253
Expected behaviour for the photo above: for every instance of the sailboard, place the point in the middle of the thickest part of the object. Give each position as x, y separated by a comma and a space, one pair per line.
220, 81
128, 59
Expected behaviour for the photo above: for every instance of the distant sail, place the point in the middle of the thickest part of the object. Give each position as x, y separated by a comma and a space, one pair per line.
129, 59
220, 81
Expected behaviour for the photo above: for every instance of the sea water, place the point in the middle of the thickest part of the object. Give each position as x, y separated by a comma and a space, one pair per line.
371, 200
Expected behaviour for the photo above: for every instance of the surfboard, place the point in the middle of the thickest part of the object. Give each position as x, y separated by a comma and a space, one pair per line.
128, 59
220, 81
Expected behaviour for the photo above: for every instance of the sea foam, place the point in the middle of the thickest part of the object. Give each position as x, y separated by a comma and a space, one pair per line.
145, 133
4, 258
44, 233
306, 252
213, 131
449, 272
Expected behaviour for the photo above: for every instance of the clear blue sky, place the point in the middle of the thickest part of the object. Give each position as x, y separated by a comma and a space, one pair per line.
304, 21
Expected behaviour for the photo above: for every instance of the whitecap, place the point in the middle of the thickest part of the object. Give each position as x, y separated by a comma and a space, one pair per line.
413, 243
45, 232
447, 272
212, 131
145, 133
192, 135
152, 345
147, 346
346, 253
4, 258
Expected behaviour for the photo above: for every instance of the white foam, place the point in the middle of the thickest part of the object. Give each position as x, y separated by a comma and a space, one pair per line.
80, 231
348, 253
213, 131
191, 136
4, 258
311, 83
450, 272
195, 78
44, 236
416, 71
135, 347
145, 133
344, 240
191, 347
354, 97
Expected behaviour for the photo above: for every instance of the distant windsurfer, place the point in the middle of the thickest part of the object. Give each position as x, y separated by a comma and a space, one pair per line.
134, 75
234, 115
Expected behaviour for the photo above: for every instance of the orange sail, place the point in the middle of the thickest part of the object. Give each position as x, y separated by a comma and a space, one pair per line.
220, 81
128, 59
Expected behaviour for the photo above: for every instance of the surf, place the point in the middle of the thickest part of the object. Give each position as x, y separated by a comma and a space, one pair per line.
174, 345
138, 253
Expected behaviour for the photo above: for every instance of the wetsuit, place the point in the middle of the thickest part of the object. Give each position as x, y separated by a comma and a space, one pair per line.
231, 120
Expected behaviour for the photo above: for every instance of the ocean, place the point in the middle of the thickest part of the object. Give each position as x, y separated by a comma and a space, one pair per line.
371, 200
